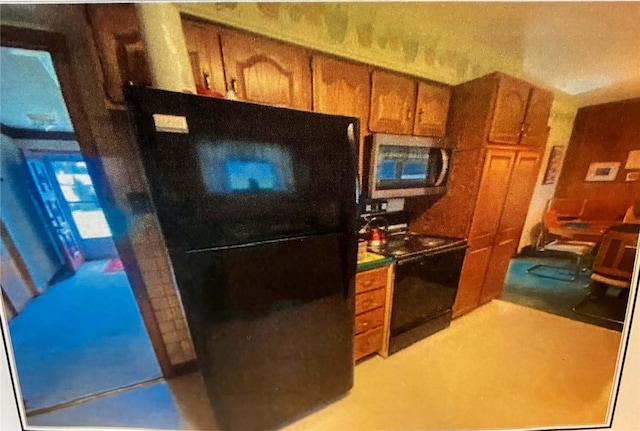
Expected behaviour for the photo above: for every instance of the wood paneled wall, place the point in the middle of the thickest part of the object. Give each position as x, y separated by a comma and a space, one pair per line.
602, 133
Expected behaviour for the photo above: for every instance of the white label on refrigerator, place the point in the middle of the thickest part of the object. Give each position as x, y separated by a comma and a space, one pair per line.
170, 123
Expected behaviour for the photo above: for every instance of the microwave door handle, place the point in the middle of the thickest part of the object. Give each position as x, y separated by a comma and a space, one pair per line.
445, 167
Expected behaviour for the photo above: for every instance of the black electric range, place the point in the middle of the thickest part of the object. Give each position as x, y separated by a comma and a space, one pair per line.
427, 273
404, 244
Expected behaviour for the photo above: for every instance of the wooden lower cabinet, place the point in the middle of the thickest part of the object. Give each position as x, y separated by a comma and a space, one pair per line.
368, 342
370, 300
372, 311
474, 269
369, 319
503, 250
507, 183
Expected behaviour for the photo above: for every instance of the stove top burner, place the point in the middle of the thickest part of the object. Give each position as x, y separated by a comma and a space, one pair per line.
407, 244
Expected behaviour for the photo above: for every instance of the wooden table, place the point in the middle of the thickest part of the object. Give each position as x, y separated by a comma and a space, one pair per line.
582, 230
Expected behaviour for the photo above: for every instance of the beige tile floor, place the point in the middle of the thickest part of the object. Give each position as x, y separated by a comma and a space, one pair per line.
501, 366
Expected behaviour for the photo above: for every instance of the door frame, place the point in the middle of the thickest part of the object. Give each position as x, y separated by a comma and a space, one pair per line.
55, 44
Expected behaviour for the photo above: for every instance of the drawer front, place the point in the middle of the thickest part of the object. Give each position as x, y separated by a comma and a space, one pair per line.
370, 300
369, 320
370, 280
367, 343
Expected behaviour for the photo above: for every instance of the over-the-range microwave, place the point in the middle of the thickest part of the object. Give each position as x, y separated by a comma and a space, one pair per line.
402, 166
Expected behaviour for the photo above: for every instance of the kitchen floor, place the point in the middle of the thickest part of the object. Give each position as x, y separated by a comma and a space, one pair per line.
503, 365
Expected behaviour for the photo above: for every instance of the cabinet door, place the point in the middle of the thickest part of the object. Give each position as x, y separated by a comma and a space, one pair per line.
509, 111
342, 88
501, 253
432, 108
393, 103
264, 71
203, 46
535, 129
492, 193
521, 185
514, 212
120, 47
472, 278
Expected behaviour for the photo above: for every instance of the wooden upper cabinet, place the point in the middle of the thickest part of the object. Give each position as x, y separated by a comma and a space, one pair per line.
342, 88
432, 108
203, 46
393, 103
119, 46
535, 129
510, 110
264, 71
521, 113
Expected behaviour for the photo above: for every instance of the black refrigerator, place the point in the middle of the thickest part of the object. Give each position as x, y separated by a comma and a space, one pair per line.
257, 205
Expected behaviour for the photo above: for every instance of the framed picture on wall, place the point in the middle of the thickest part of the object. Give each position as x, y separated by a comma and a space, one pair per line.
555, 164
602, 171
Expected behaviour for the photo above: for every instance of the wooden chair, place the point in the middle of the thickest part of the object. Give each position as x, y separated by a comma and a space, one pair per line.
613, 268
556, 212
614, 262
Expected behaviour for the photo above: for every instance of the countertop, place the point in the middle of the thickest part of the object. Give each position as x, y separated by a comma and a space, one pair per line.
373, 260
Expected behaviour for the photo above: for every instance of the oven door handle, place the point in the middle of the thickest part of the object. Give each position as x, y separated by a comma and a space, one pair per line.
423, 256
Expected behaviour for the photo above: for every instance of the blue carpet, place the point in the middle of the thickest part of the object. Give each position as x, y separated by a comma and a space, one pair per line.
553, 296
83, 336
151, 407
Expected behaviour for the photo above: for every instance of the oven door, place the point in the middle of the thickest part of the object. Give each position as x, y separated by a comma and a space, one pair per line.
425, 289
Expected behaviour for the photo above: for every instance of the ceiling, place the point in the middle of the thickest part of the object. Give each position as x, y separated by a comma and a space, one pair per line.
30, 95
588, 50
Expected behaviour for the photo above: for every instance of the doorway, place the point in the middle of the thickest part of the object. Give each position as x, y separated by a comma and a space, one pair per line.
74, 326
62, 181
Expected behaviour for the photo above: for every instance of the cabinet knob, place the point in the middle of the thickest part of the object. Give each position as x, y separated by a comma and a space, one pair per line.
207, 80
